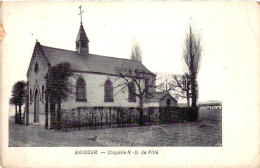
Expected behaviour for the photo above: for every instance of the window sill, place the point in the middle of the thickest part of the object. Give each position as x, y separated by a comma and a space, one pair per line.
81, 100
109, 101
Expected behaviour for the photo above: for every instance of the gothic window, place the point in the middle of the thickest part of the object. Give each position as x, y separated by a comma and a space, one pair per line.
147, 88
81, 90
132, 90
108, 91
42, 92
36, 68
31, 97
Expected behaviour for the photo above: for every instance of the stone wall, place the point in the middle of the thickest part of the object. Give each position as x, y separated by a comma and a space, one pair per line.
94, 89
95, 93
36, 82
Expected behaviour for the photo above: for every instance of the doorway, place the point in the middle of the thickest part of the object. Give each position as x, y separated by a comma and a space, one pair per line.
168, 103
36, 106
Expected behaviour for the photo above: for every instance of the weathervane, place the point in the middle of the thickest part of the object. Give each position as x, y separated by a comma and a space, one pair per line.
80, 13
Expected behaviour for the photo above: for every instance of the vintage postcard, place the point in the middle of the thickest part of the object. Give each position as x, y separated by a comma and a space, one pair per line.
130, 84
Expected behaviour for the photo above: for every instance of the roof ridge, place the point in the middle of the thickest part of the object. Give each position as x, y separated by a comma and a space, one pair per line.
115, 57
91, 54
95, 55
57, 48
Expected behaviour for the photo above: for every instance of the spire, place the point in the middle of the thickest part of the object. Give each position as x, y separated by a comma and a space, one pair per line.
82, 36
82, 39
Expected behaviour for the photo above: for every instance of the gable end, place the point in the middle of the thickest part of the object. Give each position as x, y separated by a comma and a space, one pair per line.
36, 51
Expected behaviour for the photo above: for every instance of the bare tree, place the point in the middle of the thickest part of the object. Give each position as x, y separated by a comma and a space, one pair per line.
192, 58
182, 87
143, 81
177, 85
136, 53
165, 82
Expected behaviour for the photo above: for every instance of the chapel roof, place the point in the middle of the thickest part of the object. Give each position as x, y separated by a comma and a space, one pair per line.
90, 63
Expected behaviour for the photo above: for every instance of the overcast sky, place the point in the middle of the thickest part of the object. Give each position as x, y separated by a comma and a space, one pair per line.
229, 33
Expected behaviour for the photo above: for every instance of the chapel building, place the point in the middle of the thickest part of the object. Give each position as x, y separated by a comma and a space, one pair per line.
95, 83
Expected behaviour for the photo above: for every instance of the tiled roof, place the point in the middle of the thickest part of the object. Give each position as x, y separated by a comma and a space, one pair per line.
91, 62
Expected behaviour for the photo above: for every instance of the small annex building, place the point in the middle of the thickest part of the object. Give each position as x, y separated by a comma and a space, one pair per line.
161, 99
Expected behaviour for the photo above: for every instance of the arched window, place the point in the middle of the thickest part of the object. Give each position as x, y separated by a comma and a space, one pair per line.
36, 68
31, 96
42, 92
108, 91
132, 90
81, 90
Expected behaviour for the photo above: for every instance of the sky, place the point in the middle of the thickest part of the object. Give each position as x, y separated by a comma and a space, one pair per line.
229, 33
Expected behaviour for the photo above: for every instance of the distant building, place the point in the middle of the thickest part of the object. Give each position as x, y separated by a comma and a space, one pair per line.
162, 99
210, 105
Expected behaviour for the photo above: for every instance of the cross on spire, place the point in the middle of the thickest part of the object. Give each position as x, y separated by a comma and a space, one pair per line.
80, 13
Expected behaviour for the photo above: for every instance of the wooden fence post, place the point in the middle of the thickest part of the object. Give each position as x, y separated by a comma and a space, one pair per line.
110, 116
92, 120
149, 116
79, 125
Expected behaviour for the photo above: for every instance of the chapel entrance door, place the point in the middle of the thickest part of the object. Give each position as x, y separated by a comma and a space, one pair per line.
168, 103
36, 106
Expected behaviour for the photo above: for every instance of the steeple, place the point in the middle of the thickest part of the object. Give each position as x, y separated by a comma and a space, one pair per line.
82, 39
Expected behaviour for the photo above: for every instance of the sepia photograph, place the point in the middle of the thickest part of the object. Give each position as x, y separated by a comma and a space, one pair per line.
125, 74
94, 100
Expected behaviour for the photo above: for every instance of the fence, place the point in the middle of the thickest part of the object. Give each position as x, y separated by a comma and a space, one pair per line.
98, 117
173, 114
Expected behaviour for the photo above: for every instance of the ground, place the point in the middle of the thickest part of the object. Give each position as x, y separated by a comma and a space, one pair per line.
206, 132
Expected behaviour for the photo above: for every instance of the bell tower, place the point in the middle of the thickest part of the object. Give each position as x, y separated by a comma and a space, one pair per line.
82, 41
